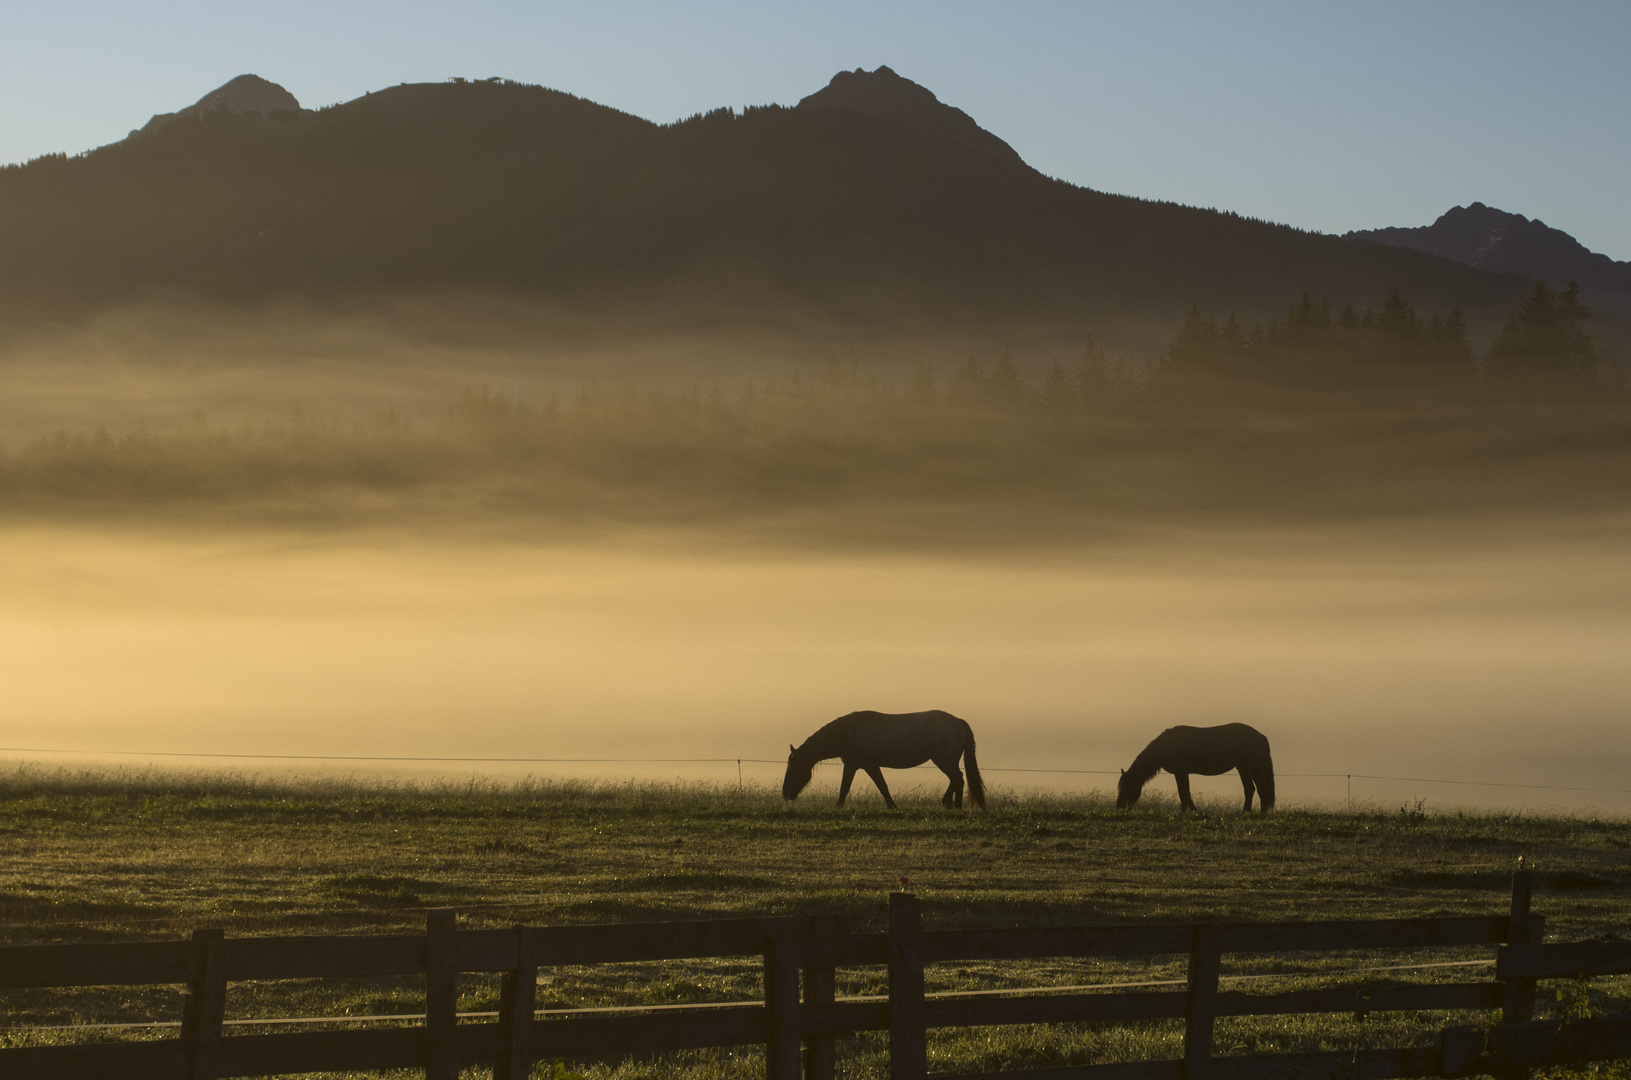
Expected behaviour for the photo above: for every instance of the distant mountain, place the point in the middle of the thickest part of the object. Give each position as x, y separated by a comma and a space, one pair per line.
249, 95
883, 93
871, 200
1492, 239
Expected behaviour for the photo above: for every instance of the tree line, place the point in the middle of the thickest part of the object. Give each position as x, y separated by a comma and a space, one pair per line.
1545, 336
1222, 401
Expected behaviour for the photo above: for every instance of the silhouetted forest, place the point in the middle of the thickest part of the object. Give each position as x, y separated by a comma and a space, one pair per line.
1321, 410
517, 187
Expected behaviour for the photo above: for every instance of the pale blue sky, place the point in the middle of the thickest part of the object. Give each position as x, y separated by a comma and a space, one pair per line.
1323, 115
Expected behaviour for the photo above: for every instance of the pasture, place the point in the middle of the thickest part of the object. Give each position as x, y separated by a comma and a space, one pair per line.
142, 856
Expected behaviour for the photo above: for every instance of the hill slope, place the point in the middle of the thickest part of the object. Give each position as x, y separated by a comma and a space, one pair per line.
499, 184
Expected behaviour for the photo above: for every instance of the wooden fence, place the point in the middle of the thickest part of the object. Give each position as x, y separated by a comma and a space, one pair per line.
800, 1017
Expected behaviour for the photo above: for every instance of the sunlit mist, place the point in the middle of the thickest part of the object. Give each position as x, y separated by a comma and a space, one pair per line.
1440, 657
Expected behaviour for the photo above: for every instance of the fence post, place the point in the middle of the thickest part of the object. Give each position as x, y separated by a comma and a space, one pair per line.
821, 988
782, 1058
441, 996
1200, 1006
908, 1032
517, 1001
1518, 995
206, 1005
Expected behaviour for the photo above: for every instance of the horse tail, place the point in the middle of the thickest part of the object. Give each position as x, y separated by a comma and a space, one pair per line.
1265, 781
976, 786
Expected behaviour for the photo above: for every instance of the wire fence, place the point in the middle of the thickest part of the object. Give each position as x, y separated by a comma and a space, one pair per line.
385, 759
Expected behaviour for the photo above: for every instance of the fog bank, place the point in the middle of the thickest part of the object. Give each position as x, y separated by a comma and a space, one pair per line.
1450, 656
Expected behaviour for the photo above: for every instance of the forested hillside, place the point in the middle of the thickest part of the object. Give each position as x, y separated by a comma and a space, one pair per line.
501, 185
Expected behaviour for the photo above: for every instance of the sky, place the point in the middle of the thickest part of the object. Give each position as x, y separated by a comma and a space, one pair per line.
1327, 116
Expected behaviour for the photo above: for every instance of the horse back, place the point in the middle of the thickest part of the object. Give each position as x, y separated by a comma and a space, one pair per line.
903, 740
1209, 751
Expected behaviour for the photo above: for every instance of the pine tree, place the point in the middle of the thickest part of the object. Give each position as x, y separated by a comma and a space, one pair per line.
923, 388
1544, 336
968, 382
1093, 374
1006, 388
1398, 320
1450, 340
1058, 391
1196, 341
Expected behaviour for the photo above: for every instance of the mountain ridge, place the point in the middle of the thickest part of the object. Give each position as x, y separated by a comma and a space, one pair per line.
1492, 239
494, 183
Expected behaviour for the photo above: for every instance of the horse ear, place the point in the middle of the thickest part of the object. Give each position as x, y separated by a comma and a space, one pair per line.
1124, 772
791, 749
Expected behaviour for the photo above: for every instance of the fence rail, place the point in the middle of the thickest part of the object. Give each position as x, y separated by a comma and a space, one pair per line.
800, 1018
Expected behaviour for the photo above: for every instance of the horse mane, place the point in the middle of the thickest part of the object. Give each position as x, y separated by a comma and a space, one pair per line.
1143, 767
824, 737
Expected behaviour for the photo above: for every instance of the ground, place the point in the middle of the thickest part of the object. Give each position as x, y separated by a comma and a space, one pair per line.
109, 857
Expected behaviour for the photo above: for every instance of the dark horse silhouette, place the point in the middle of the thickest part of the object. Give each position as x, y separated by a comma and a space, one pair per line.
875, 741
1208, 751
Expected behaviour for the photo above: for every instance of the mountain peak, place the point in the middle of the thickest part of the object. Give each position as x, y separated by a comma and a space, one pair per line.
883, 93
1493, 239
247, 94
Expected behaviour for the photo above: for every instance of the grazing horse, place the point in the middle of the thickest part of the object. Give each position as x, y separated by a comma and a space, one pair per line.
874, 741
1208, 751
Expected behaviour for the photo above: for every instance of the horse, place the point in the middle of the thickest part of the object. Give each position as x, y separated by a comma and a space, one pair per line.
1208, 751
874, 741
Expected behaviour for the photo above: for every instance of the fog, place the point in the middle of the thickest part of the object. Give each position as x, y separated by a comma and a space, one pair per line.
1498, 655
458, 528
160, 361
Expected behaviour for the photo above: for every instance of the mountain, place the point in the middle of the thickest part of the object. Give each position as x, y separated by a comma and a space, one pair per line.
870, 201
883, 93
1492, 239
249, 95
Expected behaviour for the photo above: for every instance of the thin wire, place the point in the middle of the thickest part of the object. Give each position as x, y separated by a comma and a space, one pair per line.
1492, 783
373, 757
727, 760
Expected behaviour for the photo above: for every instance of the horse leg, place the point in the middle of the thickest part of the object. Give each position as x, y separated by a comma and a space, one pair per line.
1184, 801
843, 787
954, 792
883, 788
1246, 782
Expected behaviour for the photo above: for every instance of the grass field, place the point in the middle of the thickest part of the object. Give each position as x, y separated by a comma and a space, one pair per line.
145, 856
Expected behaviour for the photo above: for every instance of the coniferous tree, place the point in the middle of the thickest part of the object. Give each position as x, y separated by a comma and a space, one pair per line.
1307, 315
1398, 322
968, 382
1005, 388
1093, 375
1057, 391
922, 388
1544, 336
1196, 342
1303, 334
1450, 339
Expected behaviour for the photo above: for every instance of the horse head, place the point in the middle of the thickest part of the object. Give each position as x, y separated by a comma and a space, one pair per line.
1127, 792
799, 771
